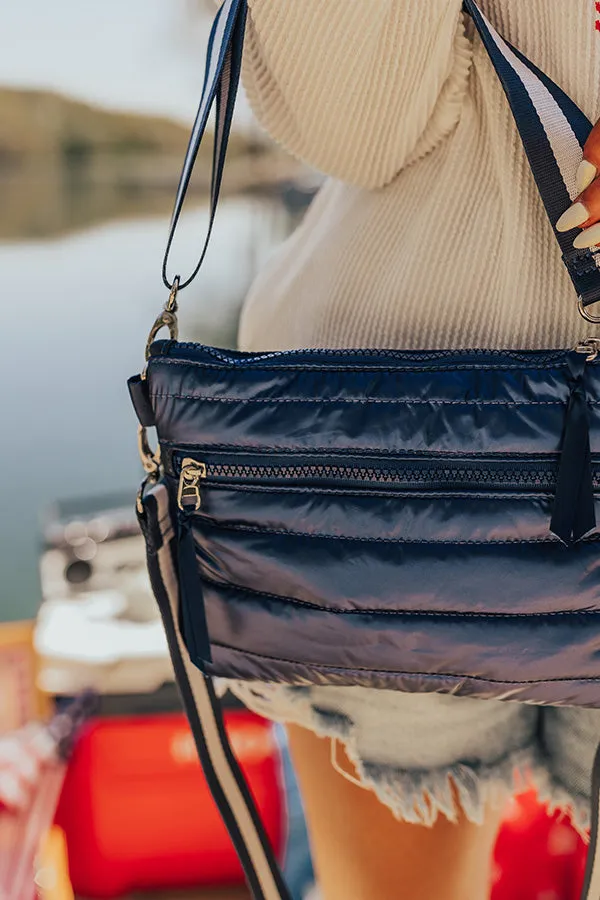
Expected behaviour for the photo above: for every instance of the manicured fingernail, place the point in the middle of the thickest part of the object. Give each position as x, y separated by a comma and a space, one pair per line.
588, 238
585, 175
575, 215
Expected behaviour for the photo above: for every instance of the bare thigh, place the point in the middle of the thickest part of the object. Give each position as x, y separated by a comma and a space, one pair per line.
362, 852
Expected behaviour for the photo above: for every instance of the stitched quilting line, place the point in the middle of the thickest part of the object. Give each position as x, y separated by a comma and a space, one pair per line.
534, 367
414, 613
323, 667
388, 493
256, 529
407, 401
355, 451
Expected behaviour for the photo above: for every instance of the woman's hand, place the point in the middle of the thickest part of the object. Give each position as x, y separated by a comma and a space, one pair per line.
585, 212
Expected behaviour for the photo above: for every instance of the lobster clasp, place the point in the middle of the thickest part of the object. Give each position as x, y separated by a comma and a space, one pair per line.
150, 459
166, 319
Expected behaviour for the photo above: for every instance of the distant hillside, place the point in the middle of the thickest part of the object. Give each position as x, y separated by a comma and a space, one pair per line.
66, 164
36, 125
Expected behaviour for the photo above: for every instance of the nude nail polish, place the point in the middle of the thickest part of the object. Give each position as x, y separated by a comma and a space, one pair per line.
574, 216
585, 175
588, 238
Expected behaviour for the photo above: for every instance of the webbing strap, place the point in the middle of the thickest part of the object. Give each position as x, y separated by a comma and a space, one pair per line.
203, 709
591, 884
553, 130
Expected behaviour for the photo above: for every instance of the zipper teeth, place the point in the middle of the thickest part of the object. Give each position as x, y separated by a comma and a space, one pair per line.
409, 355
401, 475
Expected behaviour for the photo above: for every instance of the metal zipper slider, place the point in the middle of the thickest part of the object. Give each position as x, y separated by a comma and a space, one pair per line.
590, 347
192, 473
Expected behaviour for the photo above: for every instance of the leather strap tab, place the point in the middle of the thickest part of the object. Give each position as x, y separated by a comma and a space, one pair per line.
140, 397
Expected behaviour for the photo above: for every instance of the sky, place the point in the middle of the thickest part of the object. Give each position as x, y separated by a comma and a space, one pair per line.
142, 55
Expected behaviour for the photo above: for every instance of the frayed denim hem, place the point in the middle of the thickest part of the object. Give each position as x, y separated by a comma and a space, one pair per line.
414, 796
419, 796
558, 798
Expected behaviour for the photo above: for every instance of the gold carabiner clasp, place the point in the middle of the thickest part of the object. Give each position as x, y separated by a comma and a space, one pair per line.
166, 319
150, 459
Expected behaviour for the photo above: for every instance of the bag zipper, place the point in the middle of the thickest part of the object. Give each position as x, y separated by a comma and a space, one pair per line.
536, 476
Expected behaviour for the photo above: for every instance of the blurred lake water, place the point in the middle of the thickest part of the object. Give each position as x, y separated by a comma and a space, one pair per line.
80, 288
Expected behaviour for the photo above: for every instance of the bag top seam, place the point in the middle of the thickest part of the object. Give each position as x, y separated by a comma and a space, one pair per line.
356, 369
408, 401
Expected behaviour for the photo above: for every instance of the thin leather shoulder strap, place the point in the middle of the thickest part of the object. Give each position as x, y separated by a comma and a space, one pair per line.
221, 80
553, 130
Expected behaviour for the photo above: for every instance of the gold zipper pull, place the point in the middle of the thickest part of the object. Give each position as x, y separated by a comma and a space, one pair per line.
192, 473
590, 347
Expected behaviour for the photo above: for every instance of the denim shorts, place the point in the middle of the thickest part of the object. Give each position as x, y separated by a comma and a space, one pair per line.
409, 748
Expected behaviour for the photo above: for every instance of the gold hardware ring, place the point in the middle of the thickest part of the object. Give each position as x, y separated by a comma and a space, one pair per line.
595, 320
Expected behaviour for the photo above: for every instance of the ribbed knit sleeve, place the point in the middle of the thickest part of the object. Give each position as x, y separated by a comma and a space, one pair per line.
356, 88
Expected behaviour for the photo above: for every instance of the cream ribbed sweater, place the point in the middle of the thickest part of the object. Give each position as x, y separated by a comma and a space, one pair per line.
429, 232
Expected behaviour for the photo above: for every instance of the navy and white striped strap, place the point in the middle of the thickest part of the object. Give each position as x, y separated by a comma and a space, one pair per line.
553, 130
203, 709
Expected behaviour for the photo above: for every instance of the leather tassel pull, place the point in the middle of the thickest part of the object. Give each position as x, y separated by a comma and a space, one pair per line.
574, 515
191, 595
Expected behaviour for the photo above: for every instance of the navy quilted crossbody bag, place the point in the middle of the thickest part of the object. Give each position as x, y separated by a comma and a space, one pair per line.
414, 521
